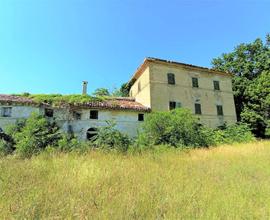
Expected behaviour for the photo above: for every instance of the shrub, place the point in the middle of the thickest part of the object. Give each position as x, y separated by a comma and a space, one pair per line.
6, 144
236, 133
109, 137
36, 135
68, 143
177, 128
5, 147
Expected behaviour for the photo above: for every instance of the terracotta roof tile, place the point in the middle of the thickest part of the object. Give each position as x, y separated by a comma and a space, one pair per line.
118, 103
15, 99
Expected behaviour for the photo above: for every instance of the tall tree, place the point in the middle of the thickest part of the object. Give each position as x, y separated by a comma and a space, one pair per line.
250, 64
101, 92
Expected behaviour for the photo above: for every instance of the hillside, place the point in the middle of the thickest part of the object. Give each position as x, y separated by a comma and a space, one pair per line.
228, 182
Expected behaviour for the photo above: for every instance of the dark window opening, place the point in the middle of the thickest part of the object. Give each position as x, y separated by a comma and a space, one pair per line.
171, 78
70, 130
216, 85
198, 109
139, 86
91, 133
77, 115
219, 110
48, 112
140, 117
6, 112
172, 105
93, 114
195, 82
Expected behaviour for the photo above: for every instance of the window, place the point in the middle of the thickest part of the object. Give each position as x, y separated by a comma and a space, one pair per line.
172, 105
178, 105
198, 109
48, 112
6, 112
195, 82
91, 133
70, 129
139, 86
93, 114
216, 85
77, 115
219, 110
140, 117
171, 78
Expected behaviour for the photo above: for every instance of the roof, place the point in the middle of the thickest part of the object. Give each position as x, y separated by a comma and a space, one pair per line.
9, 99
117, 103
149, 60
114, 103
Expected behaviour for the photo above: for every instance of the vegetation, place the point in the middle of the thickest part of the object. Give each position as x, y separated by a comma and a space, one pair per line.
108, 137
100, 92
58, 99
178, 128
228, 182
250, 64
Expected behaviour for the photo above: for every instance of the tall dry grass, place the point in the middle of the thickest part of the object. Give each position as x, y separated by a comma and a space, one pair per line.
228, 182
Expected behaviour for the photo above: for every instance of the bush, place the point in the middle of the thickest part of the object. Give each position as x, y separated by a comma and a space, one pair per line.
109, 137
36, 135
177, 128
68, 143
5, 147
236, 133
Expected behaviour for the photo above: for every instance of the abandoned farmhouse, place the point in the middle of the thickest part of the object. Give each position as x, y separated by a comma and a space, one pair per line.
157, 85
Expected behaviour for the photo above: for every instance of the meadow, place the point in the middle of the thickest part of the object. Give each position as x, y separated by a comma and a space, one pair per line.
226, 182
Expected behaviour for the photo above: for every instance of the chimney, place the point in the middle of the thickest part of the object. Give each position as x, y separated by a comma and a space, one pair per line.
84, 90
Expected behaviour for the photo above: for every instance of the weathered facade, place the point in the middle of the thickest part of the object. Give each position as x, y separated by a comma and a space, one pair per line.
157, 85
163, 85
83, 120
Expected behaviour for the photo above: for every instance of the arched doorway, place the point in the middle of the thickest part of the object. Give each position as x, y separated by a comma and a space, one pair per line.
91, 132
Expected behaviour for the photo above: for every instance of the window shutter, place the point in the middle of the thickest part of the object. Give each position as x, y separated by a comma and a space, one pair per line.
171, 78
195, 82
198, 109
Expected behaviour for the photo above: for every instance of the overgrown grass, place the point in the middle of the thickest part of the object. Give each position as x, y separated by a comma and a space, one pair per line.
227, 182
59, 99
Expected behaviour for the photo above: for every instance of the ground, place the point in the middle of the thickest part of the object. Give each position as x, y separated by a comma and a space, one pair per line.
228, 182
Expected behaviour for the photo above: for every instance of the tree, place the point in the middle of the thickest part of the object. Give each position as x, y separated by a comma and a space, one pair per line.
36, 134
101, 92
123, 91
250, 64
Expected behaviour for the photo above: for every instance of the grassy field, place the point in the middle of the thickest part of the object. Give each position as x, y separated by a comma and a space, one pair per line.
228, 182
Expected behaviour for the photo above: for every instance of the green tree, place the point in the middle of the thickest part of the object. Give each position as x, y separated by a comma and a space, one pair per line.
250, 64
101, 92
123, 91
36, 135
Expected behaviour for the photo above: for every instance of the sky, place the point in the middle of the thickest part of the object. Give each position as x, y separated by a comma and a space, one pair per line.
51, 46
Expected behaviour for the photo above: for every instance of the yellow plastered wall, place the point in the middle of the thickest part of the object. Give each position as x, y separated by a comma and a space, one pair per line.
158, 93
141, 89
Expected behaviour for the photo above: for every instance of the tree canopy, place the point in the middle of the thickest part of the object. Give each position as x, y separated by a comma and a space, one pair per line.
250, 64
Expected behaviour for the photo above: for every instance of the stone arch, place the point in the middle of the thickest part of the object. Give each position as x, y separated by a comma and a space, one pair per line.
91, 132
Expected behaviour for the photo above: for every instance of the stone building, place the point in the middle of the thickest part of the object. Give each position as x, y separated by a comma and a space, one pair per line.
80, 119
157, 85
163, 85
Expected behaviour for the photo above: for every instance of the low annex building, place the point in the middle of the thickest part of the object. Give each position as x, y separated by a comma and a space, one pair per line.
80, 119
157, 85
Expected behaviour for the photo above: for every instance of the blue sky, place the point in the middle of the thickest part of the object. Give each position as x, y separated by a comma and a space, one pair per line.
50, 46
